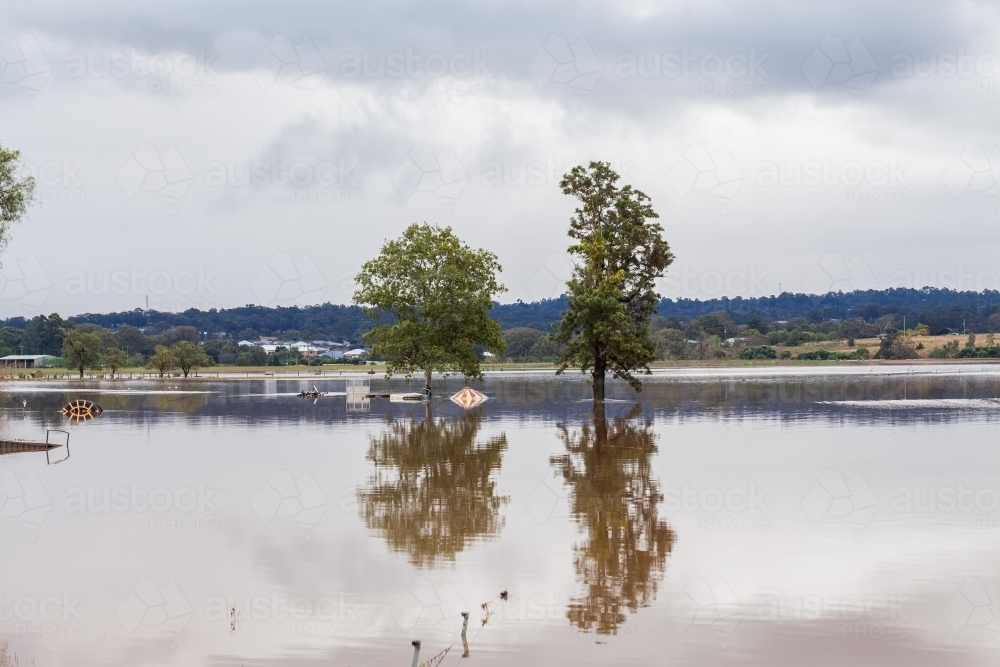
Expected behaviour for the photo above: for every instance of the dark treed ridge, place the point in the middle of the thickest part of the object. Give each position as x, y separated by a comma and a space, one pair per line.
940, 309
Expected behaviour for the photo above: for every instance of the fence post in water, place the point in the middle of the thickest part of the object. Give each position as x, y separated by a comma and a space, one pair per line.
465, 642
416, 651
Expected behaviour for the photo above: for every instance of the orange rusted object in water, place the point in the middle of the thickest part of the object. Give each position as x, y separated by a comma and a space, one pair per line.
468, 398
82, 409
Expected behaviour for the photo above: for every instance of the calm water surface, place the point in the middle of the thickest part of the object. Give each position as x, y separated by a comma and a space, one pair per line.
719, 517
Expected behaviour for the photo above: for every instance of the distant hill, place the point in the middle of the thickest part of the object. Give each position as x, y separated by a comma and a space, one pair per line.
940, 309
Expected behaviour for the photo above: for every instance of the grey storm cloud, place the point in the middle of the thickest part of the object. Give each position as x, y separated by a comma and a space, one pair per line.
776, 140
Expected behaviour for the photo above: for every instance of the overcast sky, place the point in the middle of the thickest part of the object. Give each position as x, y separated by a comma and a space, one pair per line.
220, 154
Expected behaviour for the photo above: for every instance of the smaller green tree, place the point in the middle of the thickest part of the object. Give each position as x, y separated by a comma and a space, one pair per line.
81, 350
430, 295
114, 359
189, 356
162, 360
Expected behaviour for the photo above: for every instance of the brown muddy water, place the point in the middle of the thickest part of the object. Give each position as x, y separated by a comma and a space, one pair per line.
773, 517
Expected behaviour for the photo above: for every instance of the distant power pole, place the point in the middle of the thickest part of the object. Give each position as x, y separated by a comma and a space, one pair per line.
147, 302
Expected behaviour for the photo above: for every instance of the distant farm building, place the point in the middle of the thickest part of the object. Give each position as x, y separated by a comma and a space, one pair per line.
25, 360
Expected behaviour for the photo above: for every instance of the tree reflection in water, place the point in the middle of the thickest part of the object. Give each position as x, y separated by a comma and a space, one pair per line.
615, 498
432, 492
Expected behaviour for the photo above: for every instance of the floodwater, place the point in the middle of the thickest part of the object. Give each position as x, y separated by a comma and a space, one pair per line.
822, 517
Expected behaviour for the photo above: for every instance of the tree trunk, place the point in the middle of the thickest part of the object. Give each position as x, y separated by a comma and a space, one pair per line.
81, 371
427, 381
600, 366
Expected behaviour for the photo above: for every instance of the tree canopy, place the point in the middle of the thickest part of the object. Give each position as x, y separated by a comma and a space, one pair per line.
620, 253
437, 292
16, 192
114, 359
162, 360
189, 356
81, 350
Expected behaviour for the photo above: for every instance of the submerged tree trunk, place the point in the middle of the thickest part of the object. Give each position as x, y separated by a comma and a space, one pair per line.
600, 367
427, 382
600, 425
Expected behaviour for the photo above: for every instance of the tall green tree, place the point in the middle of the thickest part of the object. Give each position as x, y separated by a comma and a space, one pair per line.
17, 192
620, 253
437, 292
162, 359
81, 350
189, 355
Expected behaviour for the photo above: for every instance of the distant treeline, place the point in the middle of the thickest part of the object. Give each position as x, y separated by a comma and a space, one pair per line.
941, 310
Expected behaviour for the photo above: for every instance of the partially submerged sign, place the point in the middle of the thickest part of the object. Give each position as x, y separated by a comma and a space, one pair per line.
82, 409
468, 397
